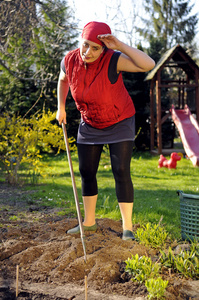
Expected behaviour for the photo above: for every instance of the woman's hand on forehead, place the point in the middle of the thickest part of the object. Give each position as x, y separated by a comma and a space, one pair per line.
110, 41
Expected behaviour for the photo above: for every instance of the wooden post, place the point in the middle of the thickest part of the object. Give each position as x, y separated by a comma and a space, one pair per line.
179, 102
17, 280
183, 94
152, 125
86, 287
158, 108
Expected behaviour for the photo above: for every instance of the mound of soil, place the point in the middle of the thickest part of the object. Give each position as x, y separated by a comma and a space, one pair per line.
52, 265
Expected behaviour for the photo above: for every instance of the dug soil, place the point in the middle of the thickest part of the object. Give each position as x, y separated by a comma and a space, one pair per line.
52, 264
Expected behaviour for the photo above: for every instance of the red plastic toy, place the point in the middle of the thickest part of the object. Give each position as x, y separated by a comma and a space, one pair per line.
171, 163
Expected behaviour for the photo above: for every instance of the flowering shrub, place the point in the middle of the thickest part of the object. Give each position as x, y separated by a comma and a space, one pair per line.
22, 140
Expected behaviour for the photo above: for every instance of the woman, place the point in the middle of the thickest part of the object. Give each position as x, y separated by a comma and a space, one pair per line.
93, 73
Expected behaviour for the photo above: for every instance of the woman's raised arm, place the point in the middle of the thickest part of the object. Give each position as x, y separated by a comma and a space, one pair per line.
131, 59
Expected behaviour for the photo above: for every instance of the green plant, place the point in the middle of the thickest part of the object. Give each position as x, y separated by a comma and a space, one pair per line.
141, 268
168, 260
13, 218
151, 234
185, 263
156, 288
22, 141
106, 204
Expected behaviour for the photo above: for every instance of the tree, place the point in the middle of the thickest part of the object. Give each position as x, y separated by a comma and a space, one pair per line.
34, 37
172, 21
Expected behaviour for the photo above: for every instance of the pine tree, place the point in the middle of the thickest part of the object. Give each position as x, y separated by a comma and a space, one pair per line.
171, 21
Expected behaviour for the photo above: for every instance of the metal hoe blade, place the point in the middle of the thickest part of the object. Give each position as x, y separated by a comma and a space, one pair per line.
74, 190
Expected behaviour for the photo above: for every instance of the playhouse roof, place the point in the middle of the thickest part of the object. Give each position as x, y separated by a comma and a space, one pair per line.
175, 57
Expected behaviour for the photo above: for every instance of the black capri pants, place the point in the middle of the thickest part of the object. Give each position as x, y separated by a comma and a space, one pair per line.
120, 154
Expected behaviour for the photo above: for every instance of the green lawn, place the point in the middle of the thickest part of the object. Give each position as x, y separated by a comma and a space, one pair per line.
155, 189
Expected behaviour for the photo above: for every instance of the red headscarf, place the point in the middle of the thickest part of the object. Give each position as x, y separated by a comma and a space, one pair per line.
92, 29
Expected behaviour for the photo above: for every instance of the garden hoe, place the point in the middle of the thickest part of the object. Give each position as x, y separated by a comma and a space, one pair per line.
74, 190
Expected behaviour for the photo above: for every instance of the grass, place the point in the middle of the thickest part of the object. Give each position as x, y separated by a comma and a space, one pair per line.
155, 189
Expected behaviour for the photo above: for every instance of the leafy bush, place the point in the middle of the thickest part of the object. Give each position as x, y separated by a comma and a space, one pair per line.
156, 288
22, 140
141, 268
185, 263
153, 235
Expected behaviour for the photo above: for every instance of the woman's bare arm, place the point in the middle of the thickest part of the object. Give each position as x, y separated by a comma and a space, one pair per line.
62, 92
131, 59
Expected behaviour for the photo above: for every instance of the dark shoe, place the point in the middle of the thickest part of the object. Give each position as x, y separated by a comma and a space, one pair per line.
128, 235
86, 228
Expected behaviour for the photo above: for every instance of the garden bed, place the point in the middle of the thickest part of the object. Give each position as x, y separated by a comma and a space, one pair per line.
51, 263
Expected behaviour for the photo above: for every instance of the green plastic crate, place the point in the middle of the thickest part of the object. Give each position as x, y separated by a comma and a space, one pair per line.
189, 213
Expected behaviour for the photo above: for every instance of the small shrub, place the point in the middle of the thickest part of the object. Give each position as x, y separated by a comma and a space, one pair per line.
22, 140
185, 263
156, 288
141, 268
13, 218
151, 235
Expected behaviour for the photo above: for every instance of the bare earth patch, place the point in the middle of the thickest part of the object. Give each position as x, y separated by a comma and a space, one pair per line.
51, 263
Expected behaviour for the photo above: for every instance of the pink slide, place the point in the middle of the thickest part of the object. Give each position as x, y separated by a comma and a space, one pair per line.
189, 132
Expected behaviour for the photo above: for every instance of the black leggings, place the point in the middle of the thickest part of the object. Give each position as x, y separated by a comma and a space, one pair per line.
120, 154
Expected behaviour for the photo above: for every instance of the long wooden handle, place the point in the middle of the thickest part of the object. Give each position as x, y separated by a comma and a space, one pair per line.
74, 189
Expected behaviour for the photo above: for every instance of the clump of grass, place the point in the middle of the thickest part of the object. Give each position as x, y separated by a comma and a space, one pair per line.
13, 218
108, 208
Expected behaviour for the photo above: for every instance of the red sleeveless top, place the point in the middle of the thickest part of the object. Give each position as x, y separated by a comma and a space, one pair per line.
100, 102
